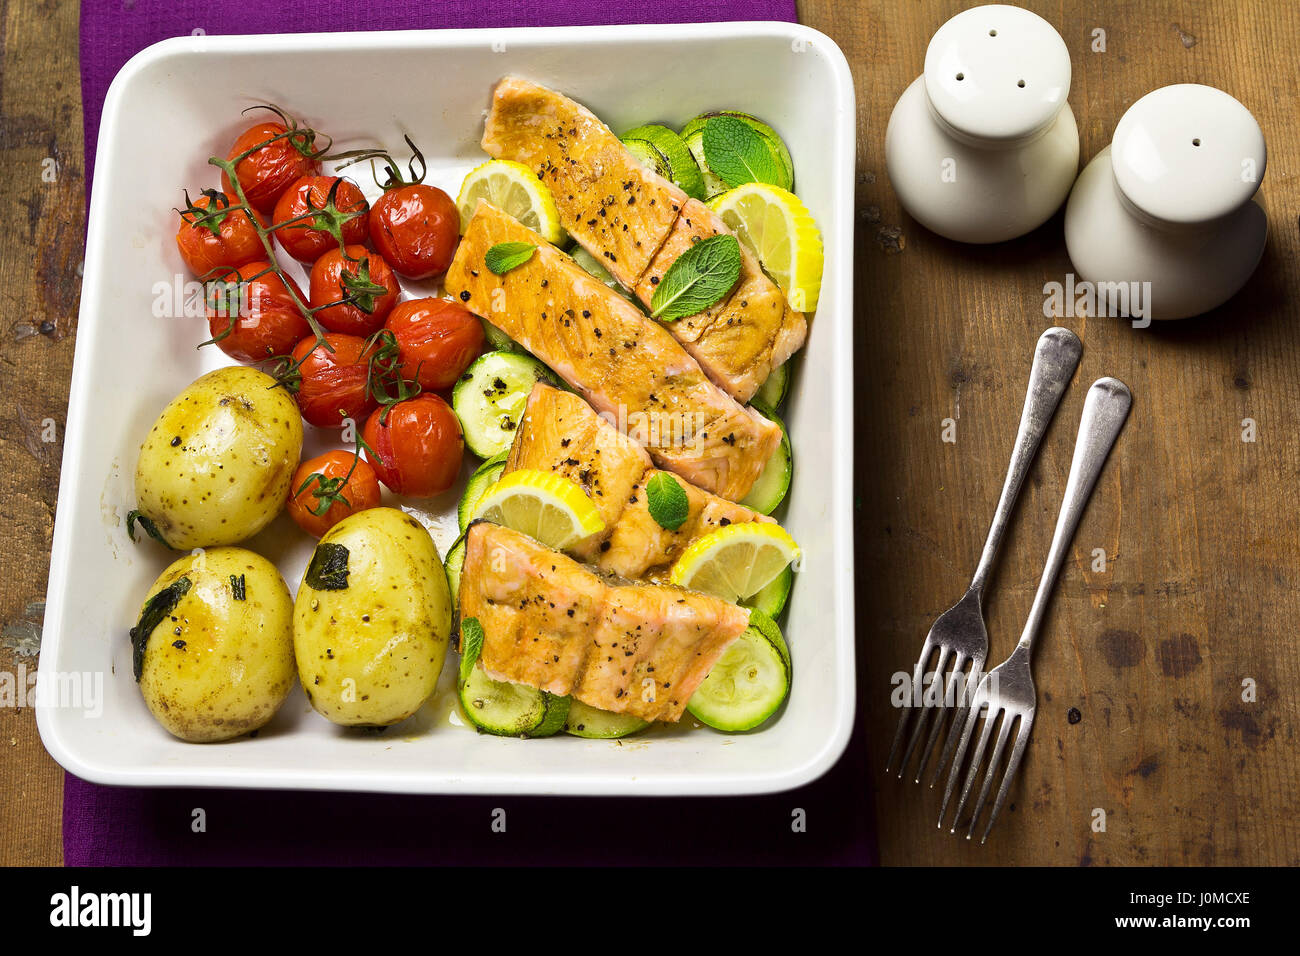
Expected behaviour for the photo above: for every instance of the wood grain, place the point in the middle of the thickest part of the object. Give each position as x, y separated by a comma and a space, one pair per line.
1199, 527
42, 222
1201, 586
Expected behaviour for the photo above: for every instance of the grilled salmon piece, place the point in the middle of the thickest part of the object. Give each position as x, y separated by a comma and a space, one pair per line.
552, 623
636, 224
740, 340
616, 208
559, 432
625, 364
639, 547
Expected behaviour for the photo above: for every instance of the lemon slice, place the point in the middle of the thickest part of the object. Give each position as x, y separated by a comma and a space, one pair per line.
735, 562
780, 231
541, 505
515, 190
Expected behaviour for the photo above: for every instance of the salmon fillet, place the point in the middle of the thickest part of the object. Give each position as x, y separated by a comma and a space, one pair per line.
742, 339
625, 364
615, 207
636, 224
551, 623
559, 432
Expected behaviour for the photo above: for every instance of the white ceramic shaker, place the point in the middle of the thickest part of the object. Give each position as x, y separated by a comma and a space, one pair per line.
983, 146
1170, 202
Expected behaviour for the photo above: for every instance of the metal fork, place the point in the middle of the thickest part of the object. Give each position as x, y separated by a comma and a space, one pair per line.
959, 633
1008, 690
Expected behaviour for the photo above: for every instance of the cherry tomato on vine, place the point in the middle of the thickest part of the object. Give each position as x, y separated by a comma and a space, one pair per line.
267, 172
328, 488
334, 385
252, 316
345, 211
417, 447
415, 228
364, 276
438, 339
226, 241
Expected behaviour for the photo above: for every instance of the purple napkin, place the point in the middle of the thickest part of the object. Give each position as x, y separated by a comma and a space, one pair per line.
129, 826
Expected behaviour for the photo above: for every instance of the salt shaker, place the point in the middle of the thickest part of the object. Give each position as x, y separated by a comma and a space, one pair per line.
983, 146
1167, 211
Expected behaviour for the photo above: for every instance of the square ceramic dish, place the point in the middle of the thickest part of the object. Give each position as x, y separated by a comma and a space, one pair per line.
178, 102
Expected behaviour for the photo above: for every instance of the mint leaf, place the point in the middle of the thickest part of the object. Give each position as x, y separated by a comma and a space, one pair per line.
700, 277
505, 256
667, 501
150, 528
471, 645
328, 570
737, 154
151, 615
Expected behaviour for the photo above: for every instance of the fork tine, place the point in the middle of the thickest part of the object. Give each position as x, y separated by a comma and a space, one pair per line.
1004, 730
968, 728
905, 712
940, 718
898, 736
1013, 764
927, 711
969, 685
976, 757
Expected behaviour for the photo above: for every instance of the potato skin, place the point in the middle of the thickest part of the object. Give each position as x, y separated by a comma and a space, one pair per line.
216, 466
369, 653
216, 667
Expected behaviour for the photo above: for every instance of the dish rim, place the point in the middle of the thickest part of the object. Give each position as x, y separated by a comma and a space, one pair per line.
80, 417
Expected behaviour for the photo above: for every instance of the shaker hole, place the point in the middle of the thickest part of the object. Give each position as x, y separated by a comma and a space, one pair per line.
961, 76
1021, 84
993, 33
1197, 141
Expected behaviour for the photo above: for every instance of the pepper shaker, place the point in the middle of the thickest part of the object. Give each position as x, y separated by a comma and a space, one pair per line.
983, 146
1170, 202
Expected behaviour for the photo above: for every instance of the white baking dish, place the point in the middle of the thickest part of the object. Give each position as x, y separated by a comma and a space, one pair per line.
178, 102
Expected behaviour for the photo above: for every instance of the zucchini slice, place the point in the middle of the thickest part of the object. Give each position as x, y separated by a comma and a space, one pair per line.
773, 596
479, 482
666, 153
749, 684
452, 564
490, 398
510, 710
586, 721
774, 481
591, 265
693, 134
497, 340
775, 387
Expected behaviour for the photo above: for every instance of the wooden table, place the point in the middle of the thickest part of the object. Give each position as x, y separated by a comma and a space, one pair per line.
1199, 528
1201, 584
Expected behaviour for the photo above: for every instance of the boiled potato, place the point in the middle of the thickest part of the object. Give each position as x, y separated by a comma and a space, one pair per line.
372, 619
216, 466
213, 649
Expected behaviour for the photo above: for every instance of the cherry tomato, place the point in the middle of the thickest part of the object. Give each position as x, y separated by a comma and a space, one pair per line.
417, 447
415, 228
365, 269
438, 339
308, 239
267, 172
340, 487
234, 244
253, 319
333, 386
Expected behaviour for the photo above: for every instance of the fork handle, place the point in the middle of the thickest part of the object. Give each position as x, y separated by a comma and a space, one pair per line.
1055, 359
1104, 412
